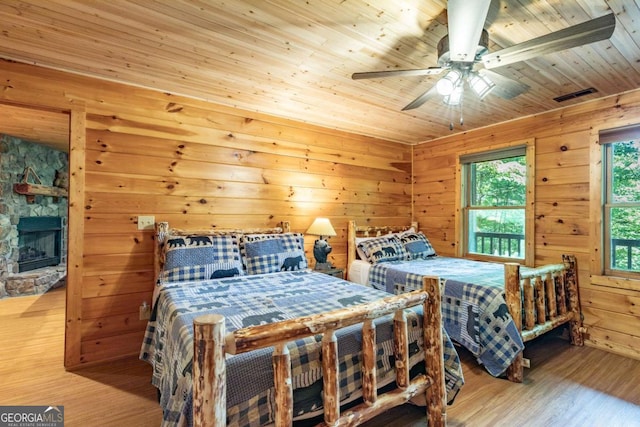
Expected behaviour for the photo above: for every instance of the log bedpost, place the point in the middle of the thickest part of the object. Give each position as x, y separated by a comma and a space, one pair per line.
434, 354
401, 349
330, 378
162, 228
575, 325
369, 379
515, 371
351, 247
209, 374
283, 385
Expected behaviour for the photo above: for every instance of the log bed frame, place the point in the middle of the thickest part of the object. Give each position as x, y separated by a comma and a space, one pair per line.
539, 299
211, 344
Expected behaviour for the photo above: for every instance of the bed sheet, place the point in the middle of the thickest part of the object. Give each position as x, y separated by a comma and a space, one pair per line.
474, 311
249, 300
359, 272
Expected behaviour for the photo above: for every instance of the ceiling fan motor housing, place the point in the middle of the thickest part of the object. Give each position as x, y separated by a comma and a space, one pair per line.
444, 58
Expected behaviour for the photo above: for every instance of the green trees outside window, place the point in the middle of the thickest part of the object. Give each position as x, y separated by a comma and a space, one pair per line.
495, 206
622, 205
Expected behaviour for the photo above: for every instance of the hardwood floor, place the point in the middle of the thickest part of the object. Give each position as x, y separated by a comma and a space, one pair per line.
32, 373
567, 386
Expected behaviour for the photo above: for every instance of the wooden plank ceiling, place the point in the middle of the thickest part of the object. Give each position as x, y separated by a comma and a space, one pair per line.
294, 59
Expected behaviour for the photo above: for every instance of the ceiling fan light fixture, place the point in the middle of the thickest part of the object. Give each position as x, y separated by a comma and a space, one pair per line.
449, 83
455, 97
480, 84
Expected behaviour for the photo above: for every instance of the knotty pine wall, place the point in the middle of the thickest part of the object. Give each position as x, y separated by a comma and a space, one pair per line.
138, 152
567, 214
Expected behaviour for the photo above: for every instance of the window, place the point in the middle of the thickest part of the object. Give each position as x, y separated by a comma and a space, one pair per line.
621, 207
494, 200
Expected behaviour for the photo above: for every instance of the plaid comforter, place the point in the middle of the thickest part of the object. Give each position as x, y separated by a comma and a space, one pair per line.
474, 312
256, 299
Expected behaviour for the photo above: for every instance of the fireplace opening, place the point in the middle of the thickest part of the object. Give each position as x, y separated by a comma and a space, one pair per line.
39, 242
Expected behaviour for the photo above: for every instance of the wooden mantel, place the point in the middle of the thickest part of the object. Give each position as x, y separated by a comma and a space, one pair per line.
37, 189
31, 190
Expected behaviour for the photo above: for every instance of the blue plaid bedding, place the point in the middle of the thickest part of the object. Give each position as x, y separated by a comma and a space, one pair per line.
256, 299
474, 312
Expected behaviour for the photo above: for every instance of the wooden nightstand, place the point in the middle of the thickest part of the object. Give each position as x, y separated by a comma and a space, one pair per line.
335, 272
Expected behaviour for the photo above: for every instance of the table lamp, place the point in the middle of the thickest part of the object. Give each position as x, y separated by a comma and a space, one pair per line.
321, 227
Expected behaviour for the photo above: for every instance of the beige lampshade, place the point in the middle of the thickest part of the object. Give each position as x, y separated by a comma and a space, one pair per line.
321, 227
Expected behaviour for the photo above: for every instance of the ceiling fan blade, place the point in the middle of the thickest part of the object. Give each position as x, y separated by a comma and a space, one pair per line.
465, 22
577, 35
504, 86
421, 99
378, 74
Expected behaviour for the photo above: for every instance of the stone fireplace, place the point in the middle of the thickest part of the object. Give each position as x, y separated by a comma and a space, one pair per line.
33, 229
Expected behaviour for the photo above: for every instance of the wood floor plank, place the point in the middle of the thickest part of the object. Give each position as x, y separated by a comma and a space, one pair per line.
567, 386
118, 393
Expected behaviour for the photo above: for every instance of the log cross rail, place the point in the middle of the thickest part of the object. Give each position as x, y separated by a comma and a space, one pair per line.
211, 344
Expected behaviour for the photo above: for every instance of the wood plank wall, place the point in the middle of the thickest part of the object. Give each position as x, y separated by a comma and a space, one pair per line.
139, 152
563, 217
193, 164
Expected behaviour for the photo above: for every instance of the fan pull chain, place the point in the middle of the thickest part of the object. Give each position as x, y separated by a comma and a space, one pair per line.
451, 112
450, 118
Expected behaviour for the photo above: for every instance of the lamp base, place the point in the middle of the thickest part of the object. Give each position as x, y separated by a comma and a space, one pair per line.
323, 266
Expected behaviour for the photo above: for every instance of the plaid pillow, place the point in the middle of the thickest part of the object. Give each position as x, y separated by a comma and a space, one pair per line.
416, 245
200, 257
359, 251
383, 248
268, 253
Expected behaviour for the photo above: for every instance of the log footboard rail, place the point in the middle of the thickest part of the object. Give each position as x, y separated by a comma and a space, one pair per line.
211, 344
541, 299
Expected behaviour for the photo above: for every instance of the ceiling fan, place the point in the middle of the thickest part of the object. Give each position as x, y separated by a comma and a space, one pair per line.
467, 45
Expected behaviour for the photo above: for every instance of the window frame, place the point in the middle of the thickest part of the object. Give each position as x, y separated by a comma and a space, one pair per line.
596, 174
606, 141
461, 212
